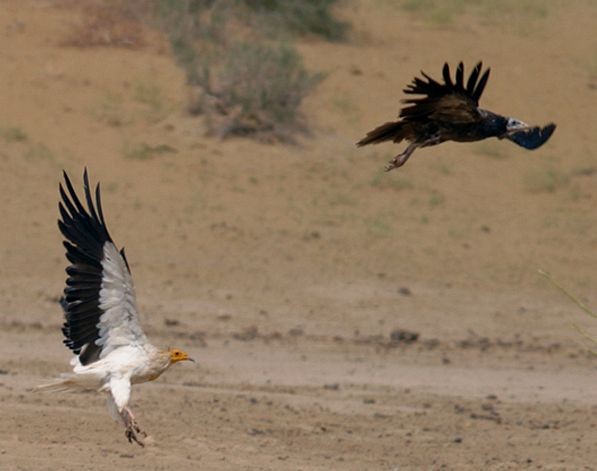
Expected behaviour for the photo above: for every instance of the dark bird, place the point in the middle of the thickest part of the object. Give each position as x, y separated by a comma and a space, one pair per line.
450, 111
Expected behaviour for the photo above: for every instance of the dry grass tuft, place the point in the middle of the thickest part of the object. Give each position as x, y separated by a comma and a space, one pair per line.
117, 23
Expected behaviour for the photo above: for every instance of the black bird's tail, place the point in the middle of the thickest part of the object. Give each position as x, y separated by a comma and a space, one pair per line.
392, 131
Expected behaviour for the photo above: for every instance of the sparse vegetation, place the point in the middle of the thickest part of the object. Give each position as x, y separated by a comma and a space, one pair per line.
300, 17
445, 12
116, 23
151, 106
494, 150
436, 199
144, 151
37, 151
442, 168
544, 181
397, 183
148, 94
343, 199
247, 83
378, 226
247, 79
13, 134
152, 97
584, 171
109, 111
252, 89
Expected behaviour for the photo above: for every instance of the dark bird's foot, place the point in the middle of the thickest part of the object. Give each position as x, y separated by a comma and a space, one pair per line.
401, 159
392, 164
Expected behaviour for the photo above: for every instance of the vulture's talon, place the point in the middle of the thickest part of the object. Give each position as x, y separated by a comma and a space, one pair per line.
132, 437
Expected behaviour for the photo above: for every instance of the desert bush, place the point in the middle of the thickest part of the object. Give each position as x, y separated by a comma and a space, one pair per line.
244, 75
244, 81
301, 17
275, 17
253, 89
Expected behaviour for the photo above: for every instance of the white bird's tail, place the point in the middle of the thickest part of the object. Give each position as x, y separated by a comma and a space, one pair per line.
70, 382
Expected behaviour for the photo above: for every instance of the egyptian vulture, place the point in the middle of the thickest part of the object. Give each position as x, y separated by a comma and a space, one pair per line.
101, 324
449, 111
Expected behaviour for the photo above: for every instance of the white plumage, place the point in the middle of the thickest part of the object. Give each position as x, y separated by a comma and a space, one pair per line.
101, 320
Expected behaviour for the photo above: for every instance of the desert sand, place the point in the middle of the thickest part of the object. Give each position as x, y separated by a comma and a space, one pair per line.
342, 318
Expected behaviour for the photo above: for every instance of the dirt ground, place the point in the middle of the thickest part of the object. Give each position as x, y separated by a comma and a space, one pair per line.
295, 273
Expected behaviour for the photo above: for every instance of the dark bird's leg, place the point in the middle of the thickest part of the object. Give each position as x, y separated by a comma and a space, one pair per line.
132, 428
401, 159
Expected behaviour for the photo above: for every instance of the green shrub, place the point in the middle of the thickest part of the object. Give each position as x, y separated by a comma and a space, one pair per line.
244, 75
244, 81
301, 17
254, 89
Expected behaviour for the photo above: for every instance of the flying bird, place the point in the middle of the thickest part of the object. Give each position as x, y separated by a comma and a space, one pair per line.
101, 324
449, 111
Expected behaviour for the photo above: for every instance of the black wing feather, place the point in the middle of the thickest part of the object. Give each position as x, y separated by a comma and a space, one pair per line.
472, 80
86, 235
460, 78
126, 262
446, 74
481, 86
442, 96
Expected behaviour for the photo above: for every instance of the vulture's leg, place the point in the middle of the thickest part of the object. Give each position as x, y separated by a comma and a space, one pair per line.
401, 159
132, 428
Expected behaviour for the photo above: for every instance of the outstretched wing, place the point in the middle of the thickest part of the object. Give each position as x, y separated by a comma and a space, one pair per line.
533, 137
451, 101
99, 298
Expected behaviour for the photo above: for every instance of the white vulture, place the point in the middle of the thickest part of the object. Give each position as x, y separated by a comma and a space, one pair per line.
101, 320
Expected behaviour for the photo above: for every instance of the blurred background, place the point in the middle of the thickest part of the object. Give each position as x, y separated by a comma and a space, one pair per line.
283, 257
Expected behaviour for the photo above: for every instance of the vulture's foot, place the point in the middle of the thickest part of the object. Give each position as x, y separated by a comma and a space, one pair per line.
394, 163
133, 432
131, 436
401, 159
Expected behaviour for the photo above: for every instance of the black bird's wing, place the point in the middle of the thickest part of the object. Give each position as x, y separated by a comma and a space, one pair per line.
451, 101
533, 137
99, 299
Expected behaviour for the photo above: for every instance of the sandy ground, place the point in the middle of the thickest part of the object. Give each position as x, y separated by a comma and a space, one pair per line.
290, 271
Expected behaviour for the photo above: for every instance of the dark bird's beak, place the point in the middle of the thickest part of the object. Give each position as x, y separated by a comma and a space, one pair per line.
532, 137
